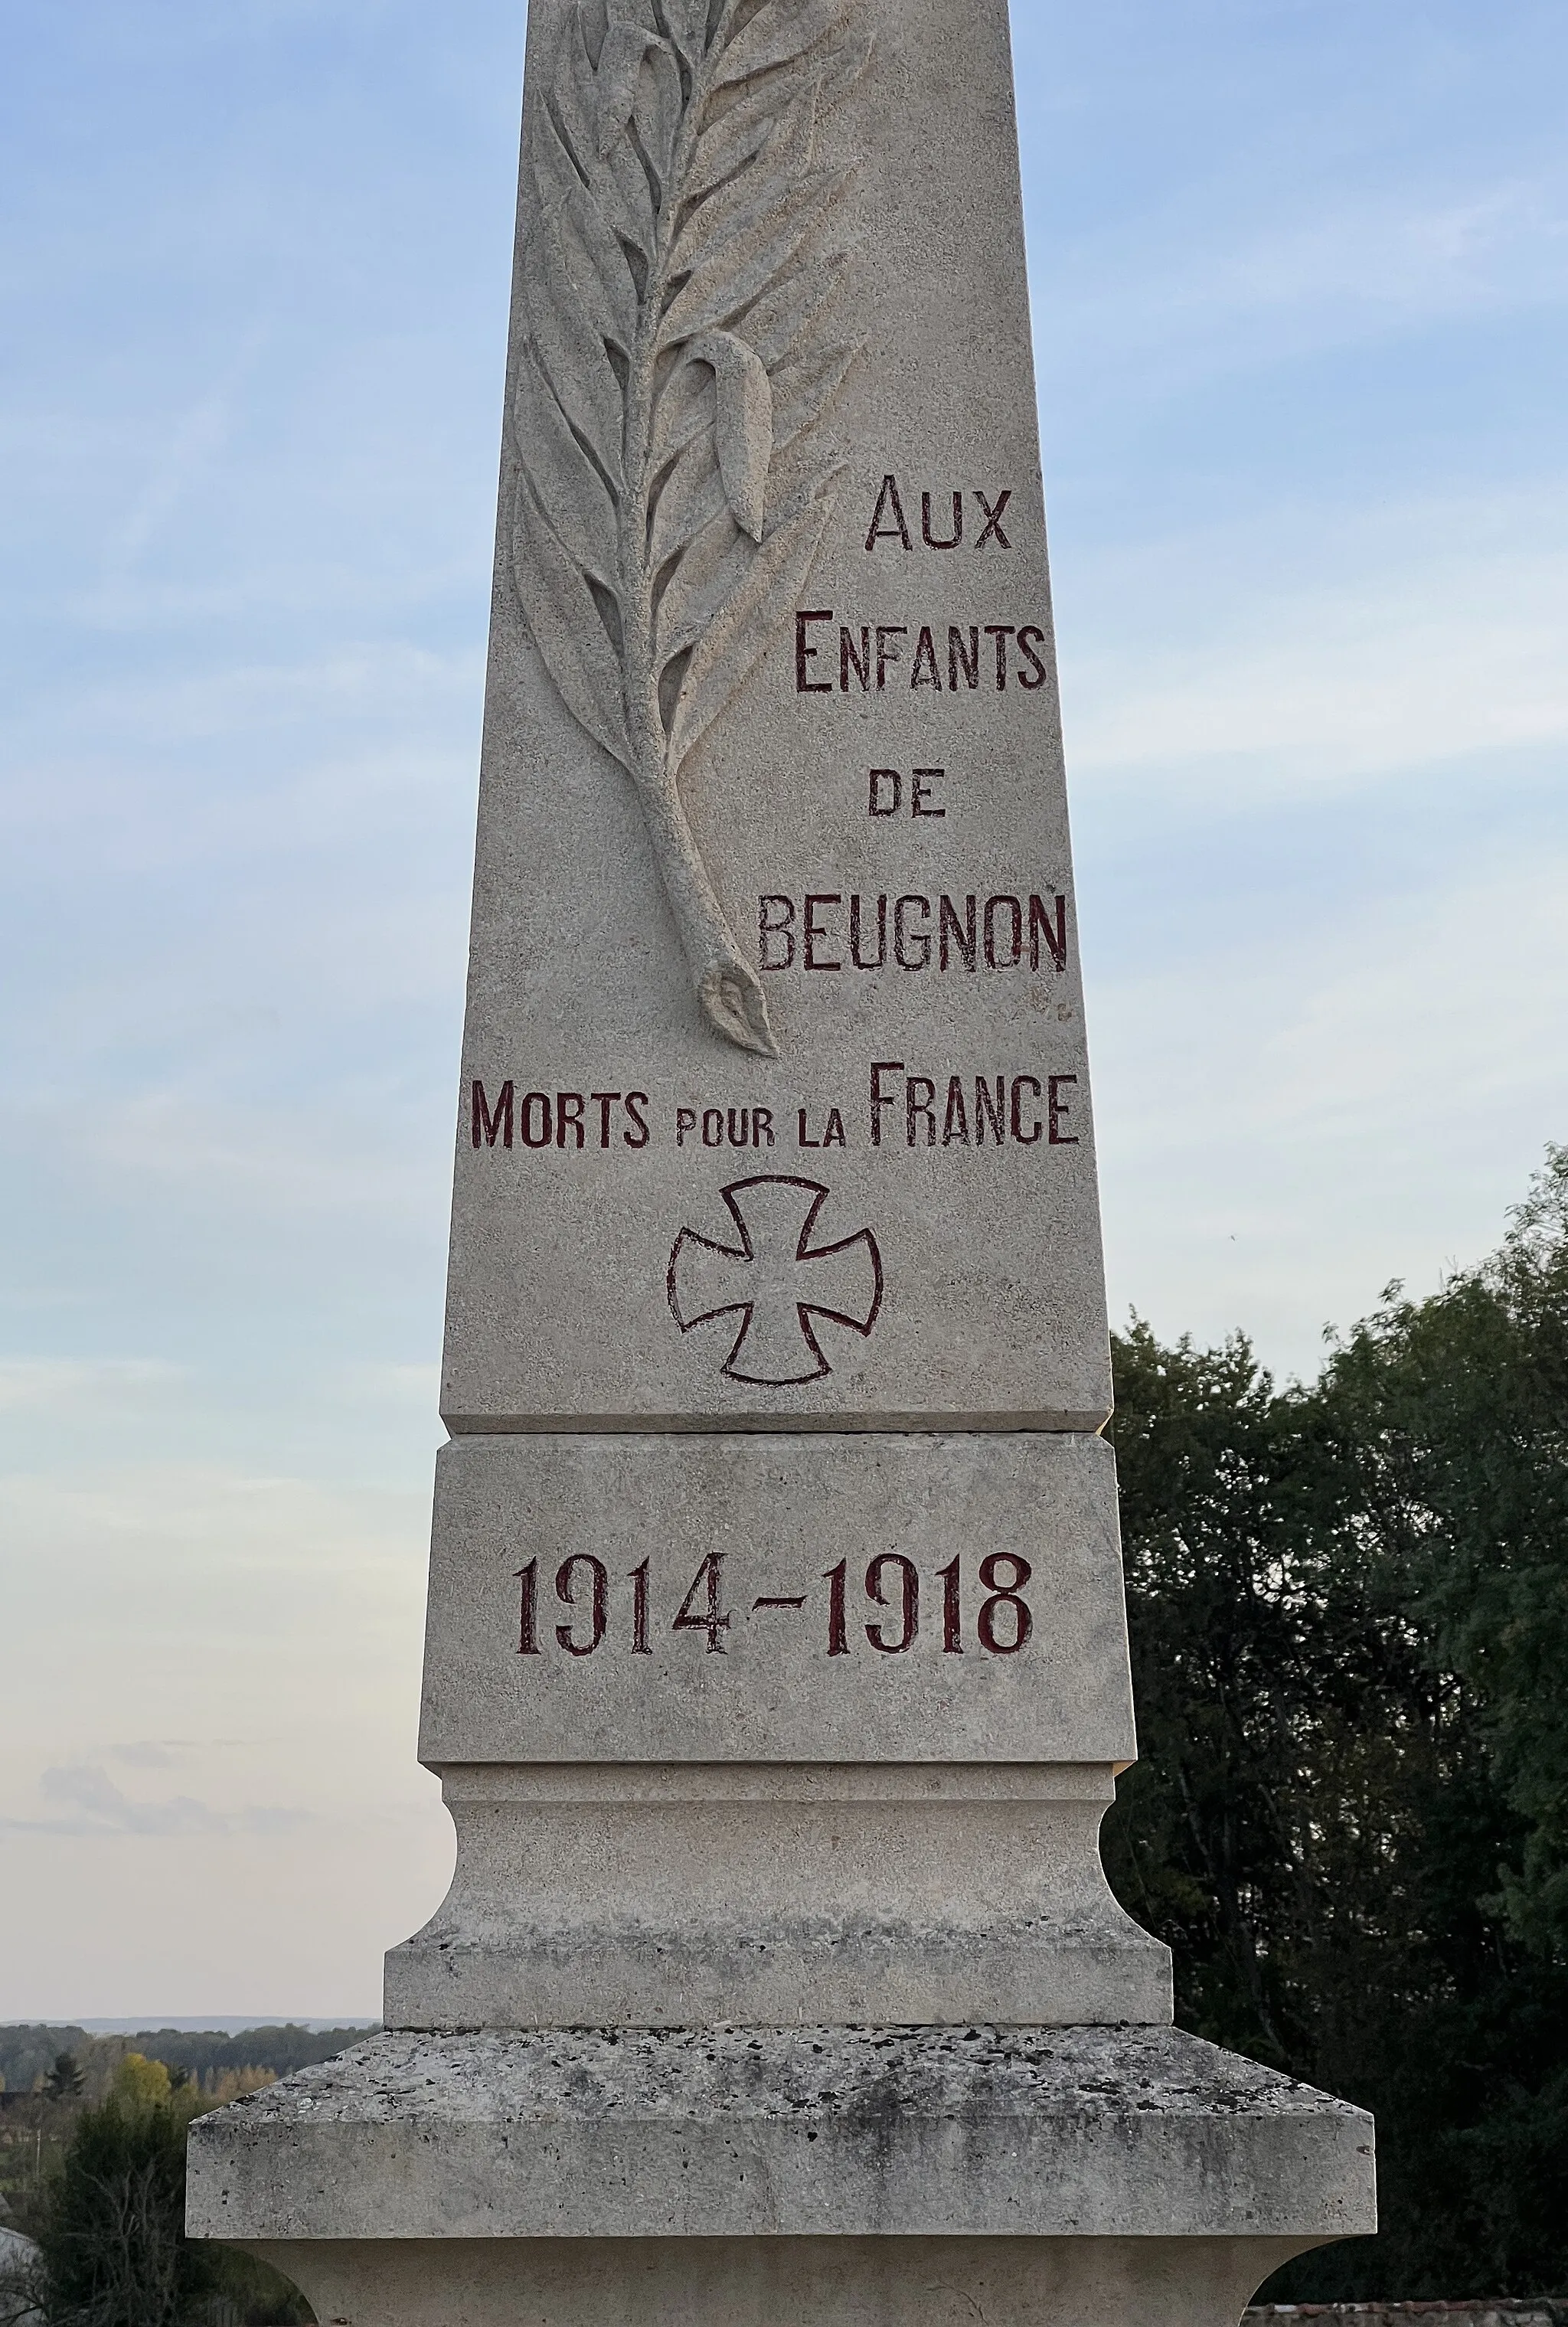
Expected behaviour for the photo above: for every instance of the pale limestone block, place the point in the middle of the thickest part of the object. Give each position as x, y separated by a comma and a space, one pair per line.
827, 2132
843, 1597
785, 2281
670, 1896
660, 837
768, 2281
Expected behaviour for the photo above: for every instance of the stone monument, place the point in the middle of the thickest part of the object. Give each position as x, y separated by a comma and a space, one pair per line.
776, 1666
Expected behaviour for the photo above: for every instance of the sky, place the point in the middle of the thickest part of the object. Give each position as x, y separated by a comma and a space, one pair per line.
1299, 281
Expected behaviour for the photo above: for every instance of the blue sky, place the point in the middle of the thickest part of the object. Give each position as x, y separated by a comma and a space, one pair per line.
1301, 287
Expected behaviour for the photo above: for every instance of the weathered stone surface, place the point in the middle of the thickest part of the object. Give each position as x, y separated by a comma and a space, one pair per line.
781, 1598
777, 1777
855, 310
670, 1895
1544, 2312
855, 2282
807, 2132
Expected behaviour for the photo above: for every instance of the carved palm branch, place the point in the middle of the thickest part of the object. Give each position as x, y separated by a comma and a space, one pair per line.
675, 366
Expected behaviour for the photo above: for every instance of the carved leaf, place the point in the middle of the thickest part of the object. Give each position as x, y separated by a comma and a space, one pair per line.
797, 465
804, 389
692, 498
707, 576
688, 27
619, 63
689, 405
570, 489
731, 142
843, 66
596, 260
784, 320
572, 98
618, 181
724, 285
657, 115
724, 658
671, 494
572, 354
569, 632
745, 424
777, 163
779, 31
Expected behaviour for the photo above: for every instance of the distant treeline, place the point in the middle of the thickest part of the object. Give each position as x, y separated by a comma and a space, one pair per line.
29, 2052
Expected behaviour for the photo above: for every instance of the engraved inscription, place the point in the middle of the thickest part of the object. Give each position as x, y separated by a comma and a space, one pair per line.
909, 1106
871, 658
671, 495
890, 1607
889, 523
827, 930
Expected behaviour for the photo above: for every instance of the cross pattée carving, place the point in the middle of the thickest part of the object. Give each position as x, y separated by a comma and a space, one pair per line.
777, 1279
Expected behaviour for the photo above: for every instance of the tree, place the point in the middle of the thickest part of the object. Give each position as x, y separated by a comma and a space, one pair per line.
113, 2249
64, 2081
21, 2287
142, 2083
1348, 1603
1456, 1412
114, 2246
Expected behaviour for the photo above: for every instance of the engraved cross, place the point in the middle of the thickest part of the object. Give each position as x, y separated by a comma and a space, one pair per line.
776, 1278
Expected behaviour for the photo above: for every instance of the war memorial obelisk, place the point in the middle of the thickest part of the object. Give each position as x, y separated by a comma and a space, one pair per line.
776, 1666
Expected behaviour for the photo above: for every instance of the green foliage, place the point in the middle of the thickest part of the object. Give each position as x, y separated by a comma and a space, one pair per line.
64, 2081
208, 2054
28, 2051
115, 2251
140, 2083
54, 2142
1349, 1606
112, 2234
1458, 1410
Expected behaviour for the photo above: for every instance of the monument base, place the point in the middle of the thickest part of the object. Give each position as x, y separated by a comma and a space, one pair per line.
1126, 2177
653, 1896
756, 2281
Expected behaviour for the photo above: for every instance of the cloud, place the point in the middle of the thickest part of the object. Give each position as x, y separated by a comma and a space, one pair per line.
30, 1385
374, 1382
1503, 240
193, 1520
1345, 269
93, 1805
190, 449
162, 1753
416, 705
1360, 1101
277, 1164
1420, 634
